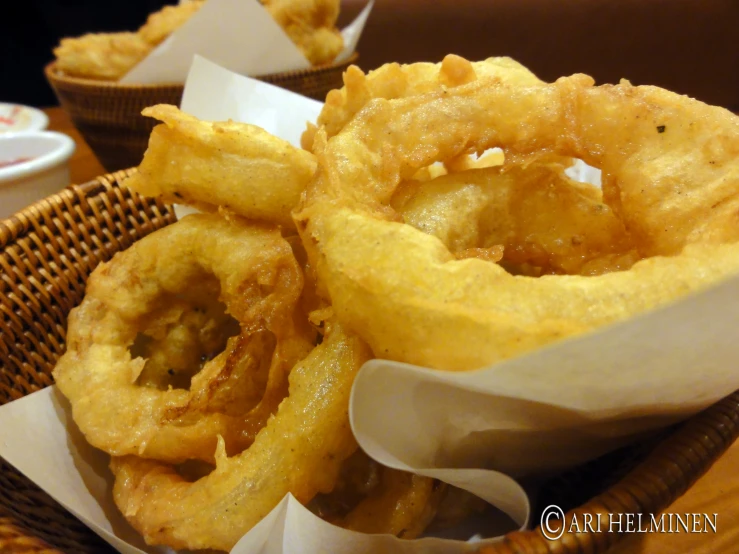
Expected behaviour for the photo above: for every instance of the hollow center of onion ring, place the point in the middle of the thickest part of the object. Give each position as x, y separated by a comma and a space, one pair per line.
177, 344
532, 217
359, 478
193, 470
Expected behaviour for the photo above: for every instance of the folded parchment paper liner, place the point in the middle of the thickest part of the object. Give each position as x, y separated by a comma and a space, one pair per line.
239, 35
548, 409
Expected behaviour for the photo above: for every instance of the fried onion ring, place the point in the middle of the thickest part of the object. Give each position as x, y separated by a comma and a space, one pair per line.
536, 214
394, 80
107, 56
163, 23
311, 25
232, 165
260, 282
371, 498
300, 451
653, 146
403, 505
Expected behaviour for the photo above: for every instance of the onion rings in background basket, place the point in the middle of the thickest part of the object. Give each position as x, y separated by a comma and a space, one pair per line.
253, 270
654, 147
311, 25
159, 25
109, 56
106, 56
235, 166
300, 451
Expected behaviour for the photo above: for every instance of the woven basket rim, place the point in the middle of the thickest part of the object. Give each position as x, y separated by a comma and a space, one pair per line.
55, 76
18, 223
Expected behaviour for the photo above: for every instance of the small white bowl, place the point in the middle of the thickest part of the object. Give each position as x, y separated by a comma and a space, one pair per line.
15, 118
43, 171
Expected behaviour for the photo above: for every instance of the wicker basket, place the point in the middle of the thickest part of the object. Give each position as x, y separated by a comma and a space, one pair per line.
50, 248
108, 114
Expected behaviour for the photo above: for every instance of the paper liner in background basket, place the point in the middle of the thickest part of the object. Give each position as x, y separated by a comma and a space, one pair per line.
108, 113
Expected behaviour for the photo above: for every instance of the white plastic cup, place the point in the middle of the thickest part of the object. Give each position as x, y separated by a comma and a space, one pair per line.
15, 118
45, 173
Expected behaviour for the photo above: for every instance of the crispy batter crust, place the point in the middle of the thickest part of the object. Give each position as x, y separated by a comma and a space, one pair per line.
255, 273
299, 451
231, 165
670, 173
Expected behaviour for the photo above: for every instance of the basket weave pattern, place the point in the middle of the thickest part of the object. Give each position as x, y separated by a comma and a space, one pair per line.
50, 249
108, 114
649, 488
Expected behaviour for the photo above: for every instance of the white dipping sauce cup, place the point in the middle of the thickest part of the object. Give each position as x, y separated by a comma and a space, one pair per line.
15, 118
44, 173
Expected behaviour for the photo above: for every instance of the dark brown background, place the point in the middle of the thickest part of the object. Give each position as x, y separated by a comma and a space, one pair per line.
689, 46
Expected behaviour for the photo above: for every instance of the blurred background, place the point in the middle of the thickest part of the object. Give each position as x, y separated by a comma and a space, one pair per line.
689, 46
32, 28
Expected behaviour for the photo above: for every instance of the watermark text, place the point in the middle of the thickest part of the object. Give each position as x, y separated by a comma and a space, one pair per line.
555, 523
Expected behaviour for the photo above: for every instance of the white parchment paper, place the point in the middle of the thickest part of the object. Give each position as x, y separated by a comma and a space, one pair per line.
480, 430
239, 35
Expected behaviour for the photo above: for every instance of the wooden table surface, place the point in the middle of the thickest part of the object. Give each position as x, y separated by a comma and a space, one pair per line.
83, 166
716, 492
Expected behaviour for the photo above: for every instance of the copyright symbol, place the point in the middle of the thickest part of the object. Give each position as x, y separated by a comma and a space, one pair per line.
549, 513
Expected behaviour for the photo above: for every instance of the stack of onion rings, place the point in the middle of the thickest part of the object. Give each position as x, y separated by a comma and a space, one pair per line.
256, 275
436, 311
415, 243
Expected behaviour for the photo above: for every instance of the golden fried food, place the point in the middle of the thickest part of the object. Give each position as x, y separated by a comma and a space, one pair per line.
456, 506
403, 505
106, 56
416, 243
436, 311
358, 477
536, 214
236, 166
401, 81
311, 25
253, 271
109, 56
370, 498
176, 347
670, 163
299, 451
163, 23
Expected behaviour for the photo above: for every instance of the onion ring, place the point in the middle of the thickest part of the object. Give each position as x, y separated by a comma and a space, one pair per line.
260, 283
300, 451
433, 310
311, 25
107, 56
394, 80
237, 166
